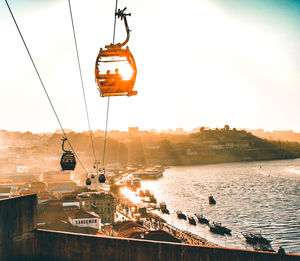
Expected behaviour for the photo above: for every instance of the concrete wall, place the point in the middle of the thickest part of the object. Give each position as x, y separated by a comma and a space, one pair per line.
18, 220
67, 246
20, 240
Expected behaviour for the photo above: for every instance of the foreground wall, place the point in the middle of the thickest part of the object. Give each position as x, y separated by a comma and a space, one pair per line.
66, 246
18, 222
20, 240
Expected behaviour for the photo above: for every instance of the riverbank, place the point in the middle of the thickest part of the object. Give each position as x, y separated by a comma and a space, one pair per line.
251, 196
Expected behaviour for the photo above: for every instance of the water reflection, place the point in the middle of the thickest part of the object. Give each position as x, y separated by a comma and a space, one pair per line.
256, 196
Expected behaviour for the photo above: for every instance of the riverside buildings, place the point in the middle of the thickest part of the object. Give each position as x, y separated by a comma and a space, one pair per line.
101, 203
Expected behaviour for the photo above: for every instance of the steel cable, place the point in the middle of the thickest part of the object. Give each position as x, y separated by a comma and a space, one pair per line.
82, 85
45, 90
108, 99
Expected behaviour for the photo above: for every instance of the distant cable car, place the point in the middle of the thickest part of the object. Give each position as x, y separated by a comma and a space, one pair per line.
88, 182
68, 160
102, 178
100, 173
115, 69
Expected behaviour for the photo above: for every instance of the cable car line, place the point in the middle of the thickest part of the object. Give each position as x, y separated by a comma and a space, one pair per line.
82, 85
115, 21
105, 133
45, 90
108, 99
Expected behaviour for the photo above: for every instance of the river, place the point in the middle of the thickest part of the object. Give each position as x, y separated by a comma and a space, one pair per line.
251, 196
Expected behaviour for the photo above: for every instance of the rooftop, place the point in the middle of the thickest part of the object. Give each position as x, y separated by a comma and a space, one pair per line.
83, 214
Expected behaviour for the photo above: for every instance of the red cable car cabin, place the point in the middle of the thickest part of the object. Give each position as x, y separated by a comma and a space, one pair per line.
115, 69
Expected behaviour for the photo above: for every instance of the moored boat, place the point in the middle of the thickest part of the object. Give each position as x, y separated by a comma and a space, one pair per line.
255, 238
219, 229
180, 215
262, 247
211, 200
163, 208
192, 221
202, 219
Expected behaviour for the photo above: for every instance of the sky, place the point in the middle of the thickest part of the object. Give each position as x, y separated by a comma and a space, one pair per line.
200, 63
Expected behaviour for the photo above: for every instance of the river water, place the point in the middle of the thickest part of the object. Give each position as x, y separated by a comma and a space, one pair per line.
253, 196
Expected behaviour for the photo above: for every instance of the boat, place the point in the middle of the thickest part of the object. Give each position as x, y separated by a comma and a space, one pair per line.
211, 200
148, 174
163, 208
255, 238
219, 229
262, 247
180, 215
202, 219
192, 221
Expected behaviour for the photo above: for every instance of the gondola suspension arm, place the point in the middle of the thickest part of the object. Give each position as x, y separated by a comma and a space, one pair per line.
122, 15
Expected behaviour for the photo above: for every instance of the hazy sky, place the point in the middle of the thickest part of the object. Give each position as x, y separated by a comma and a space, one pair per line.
200, 63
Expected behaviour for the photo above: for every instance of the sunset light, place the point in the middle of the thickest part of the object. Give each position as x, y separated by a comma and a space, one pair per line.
217, 55
150, 130
131, 195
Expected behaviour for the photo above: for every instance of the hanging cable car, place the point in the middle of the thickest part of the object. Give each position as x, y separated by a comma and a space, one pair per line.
115, 69
88, 182
102, 177
68, 160
100, 173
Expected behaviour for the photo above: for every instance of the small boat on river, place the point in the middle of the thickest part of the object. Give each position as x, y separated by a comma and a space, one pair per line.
202, 219
192, 221
180, 215
254, 238
261, 247
163, 208
211, 200
219, 229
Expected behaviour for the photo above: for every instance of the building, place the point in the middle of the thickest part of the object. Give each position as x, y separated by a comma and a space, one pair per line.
101, 203
125, 229
5, 192
81, 218
56, 176
58, 182
133, 131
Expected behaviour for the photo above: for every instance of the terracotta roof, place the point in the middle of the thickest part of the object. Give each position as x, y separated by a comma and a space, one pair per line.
83, 214
123, 226
159, 235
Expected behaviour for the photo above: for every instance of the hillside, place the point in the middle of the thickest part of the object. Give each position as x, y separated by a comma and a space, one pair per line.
204, 147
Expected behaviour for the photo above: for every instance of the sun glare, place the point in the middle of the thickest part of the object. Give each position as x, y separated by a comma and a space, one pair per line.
131, 195
125, 71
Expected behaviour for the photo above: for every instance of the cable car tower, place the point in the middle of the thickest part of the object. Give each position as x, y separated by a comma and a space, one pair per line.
115, 69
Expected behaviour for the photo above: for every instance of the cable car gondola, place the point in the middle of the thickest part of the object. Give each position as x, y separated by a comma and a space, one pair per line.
100, 173
68, 160
115, 70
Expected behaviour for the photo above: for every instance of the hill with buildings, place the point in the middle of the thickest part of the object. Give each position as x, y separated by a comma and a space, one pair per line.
281, 135
204, 146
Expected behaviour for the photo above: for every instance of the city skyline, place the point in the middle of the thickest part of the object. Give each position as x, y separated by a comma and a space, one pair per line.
205, 63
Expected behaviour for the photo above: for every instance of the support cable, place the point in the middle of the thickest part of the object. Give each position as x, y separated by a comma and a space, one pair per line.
82, 85
108, 99
48, 97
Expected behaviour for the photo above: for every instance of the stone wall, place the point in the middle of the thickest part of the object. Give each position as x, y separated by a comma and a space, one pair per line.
67, 246
18, 221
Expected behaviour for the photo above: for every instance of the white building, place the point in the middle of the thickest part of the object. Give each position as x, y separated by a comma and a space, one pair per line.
82, 218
